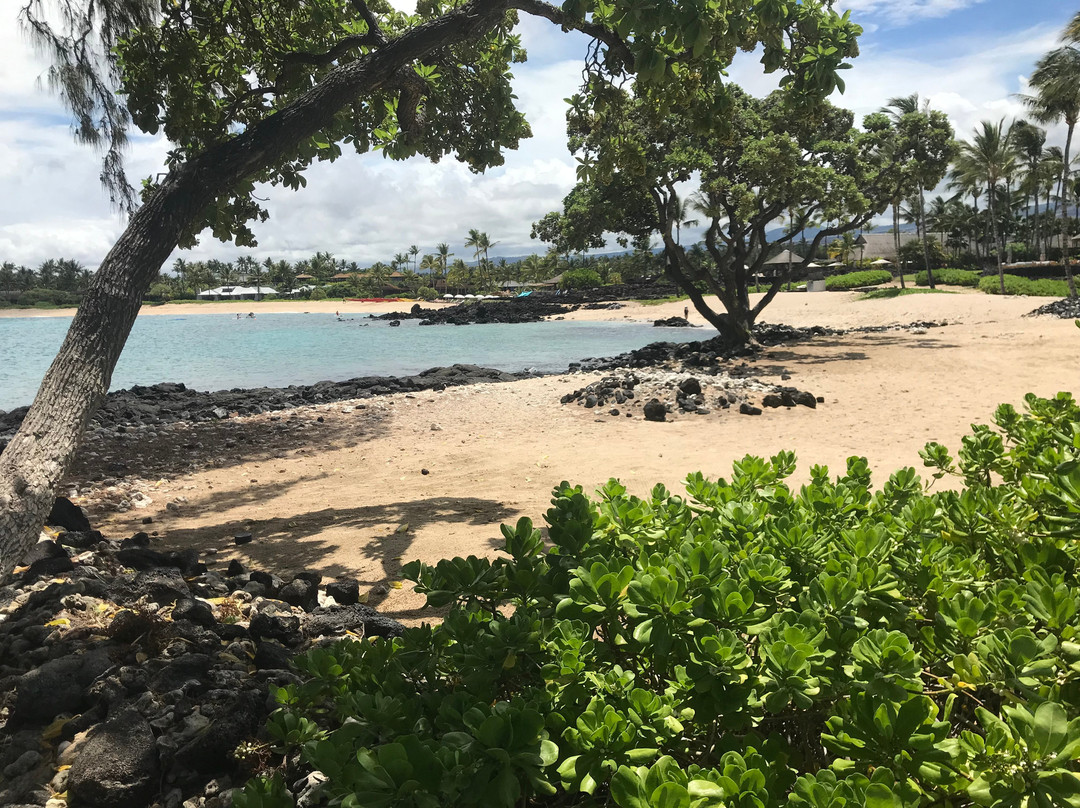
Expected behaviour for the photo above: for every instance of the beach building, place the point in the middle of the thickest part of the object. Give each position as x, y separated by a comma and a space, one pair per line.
236, 293
872, 246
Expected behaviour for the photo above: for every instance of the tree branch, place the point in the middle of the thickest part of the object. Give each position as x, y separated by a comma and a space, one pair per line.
614, 42
374, 29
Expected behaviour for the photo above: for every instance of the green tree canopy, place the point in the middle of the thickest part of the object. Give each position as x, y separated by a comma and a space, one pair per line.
761, 159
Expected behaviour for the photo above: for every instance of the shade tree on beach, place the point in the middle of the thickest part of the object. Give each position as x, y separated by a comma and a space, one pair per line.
756, 161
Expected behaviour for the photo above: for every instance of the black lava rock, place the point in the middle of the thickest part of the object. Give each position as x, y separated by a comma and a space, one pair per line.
272, 655
236, 717
128, 626
80, 539
43, 550
67, 515
276, 626
118, 767
655, 411
57, 686
164, 586
47, 567
194, 610
235, 568
749, 409
242, 538
357, 617
300, 592
690, 386
345, 592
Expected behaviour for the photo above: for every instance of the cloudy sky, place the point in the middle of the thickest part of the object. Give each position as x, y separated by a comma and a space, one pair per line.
967, 56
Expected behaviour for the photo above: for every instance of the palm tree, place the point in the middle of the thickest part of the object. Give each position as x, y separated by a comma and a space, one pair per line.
990, 156
896, 109
443, 251
681, 209
1030, 141
1056, 81
255, 273
1072, 30
414, 251
473, 240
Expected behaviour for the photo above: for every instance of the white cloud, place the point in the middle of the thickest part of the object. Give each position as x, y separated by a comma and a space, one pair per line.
366, 208
902, 12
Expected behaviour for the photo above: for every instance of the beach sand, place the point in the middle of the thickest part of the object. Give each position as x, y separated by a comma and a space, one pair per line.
355, 501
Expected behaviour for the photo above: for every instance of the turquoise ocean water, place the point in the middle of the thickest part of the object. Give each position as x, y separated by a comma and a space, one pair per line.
217, 351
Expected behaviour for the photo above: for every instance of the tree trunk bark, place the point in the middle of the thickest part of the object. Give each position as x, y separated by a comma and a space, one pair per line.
39, 455
997, 243
896, 241
42, 450
926, 237
1064, 197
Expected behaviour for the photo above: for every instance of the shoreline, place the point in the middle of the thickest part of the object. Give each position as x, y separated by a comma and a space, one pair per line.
363, 488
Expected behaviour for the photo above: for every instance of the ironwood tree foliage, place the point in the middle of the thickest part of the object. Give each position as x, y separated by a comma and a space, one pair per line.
249, 91
756, 160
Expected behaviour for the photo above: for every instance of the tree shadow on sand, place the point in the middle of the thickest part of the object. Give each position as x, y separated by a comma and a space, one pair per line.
298, 542
841, 349
182, 448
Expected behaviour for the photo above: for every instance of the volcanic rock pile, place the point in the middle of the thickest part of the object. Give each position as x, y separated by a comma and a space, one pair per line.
512, 310
1067, 309
131, 675
170, 402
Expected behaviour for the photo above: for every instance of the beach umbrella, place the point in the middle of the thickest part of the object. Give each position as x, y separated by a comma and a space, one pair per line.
880, 262
448, 297
813, 265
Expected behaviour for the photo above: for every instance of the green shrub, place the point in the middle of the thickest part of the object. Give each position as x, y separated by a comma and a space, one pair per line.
581, 278
950, 277
47, 298
426, 293
855, 280
317, 294
751, 644
1015, 285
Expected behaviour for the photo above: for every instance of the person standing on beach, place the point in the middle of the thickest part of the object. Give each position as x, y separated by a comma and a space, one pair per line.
686, 312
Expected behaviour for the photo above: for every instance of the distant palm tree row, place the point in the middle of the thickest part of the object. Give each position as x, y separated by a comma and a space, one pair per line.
62, 274
408, 271
1030, 196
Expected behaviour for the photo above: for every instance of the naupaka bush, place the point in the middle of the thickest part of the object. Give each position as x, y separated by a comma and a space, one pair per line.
748, 644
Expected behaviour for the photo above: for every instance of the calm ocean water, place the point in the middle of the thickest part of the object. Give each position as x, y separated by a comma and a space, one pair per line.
217, 351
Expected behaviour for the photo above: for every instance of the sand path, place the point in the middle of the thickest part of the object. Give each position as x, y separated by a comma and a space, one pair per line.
341, 507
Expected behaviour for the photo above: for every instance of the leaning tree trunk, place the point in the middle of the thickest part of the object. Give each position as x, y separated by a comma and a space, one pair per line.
39, 455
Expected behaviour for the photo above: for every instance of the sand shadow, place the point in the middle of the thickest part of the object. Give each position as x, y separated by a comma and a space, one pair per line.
181, 448
297, 542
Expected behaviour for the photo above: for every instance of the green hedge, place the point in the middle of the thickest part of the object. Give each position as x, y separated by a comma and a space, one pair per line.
855, 280
950, 277
754, 643
1015, 285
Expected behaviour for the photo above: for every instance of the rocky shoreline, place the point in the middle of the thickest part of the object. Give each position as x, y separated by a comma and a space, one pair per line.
172, 402
1066, 309
482, 312
135, 676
